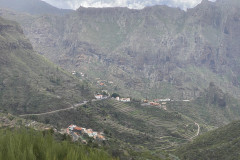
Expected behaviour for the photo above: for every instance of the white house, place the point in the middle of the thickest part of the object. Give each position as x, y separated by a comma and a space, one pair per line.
165, 100
99, 96
125, 99
71, 127
95, 133
74, 73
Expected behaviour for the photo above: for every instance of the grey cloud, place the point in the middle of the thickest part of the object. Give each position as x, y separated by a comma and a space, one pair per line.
137, 4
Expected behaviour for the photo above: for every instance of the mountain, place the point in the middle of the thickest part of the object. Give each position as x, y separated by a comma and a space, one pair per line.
29, 83
155, 52
29, 144
133, 130
213, 107
35, 7
220, 144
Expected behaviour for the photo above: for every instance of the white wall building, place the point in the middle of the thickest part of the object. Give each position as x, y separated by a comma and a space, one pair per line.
98, 96
125, 99
71, 127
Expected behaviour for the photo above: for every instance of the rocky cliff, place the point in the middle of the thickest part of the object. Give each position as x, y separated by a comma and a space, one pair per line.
154, 52
29, 83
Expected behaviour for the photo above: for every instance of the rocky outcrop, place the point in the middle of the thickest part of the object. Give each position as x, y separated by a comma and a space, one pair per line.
172, 52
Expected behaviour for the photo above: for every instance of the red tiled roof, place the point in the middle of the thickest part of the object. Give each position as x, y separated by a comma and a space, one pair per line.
78, 128
100, 136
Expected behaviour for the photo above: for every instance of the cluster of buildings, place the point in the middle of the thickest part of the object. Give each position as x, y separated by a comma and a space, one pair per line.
154, 104
123, 99
100, 96
104, 95
77, 132
74, 73
157, 102
162, 103
162, 100
82, 74
101, 82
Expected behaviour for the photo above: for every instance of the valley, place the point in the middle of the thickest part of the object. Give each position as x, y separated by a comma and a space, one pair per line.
219, 144
156, 83
29, 82
157, 51
55, 111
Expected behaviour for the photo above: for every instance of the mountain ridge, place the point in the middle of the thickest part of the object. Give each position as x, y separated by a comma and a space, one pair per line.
157, 48
29, 82
36, 7
221, 144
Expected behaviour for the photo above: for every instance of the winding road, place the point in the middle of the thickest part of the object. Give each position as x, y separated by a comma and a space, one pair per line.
85, 102
59, 110
198, 131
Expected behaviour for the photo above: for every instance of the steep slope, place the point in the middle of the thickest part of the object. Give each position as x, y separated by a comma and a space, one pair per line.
129, 126
220, 144
28, 144
213, 107
29, 82
13, 126
35, 7
155, 52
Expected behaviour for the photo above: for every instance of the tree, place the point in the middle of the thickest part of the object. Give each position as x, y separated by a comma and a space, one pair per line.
104, 93
115, 95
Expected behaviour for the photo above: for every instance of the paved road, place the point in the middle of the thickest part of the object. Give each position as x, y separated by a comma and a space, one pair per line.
59, 110
198, 131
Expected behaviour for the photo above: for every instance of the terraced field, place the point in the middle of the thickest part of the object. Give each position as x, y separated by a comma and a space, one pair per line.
151, 125
130, 123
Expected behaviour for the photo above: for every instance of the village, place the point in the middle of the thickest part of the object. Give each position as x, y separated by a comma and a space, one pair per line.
83, 134
114, 96
160, 103
80, 74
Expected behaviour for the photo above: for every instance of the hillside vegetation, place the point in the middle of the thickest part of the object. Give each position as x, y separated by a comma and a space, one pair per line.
129, 126
156, 52
35, 7
220, 144
26, 144
142, 128
213, 107
30, 83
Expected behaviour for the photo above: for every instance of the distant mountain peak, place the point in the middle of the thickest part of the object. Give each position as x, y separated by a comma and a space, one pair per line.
35, 7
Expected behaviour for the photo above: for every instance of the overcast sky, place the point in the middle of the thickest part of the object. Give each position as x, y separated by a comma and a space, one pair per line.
136, 4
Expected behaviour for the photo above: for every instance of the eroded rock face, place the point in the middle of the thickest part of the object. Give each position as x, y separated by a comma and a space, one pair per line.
28, 81
158, 46
35, 7
7, 41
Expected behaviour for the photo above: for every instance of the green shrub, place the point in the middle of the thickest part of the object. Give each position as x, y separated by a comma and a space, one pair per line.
32, 145
114, 95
